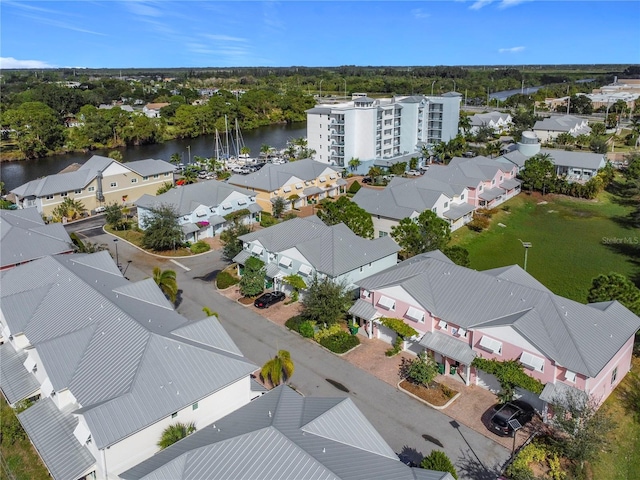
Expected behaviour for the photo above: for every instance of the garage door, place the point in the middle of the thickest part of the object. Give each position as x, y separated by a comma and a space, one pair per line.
487, 381
386, 334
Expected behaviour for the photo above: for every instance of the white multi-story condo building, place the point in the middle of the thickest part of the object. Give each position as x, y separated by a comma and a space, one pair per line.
372, 129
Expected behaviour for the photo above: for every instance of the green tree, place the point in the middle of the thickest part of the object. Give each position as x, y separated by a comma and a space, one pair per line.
598, 129
278, 205
325, 302
190, 174
426, 233
345, 211
69, 209
114, 217
580, 428
538, 172
279, 369
166, 186
598, 145
421, 370
175, 158
438, 461
231, 244
174, 433
297, 283
37, 128
354, 163
161, 229
614, 286
580, 105
459, 255
252, 281
166, 280
116, 155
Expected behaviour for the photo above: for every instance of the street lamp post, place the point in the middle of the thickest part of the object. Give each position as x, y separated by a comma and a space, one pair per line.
454, 85
345, 88
115, 240
432, 84
321, 87
527, 246
189, 150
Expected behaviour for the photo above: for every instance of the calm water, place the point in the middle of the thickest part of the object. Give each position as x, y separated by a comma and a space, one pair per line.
14, 174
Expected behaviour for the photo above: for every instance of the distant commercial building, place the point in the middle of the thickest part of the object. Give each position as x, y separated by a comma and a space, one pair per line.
373, 129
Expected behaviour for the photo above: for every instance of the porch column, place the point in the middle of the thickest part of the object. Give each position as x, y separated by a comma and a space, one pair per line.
370, 332
467, 375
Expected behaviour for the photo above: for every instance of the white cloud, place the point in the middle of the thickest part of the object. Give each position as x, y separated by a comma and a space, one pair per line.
479, 4
142, 9
419, 13
10, 63
511, 3
224, 38
511, 50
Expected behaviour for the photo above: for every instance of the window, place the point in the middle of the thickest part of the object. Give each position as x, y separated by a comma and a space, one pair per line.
299, 186
442, 324
145, 178
500, 177
134, 180
285, 262
227, 206
531, 361
493, 182
414, 314
614, 375
156, 176
167, 174
64, 194
570, 376
491, 345
113, 184
257, 249
305, 269
386, 302
462, 196
286, 189
49, 197
366, 293
174, 414
446, 205
322, 179
77, 192
434, 210
194, 406
91, 189
461, 332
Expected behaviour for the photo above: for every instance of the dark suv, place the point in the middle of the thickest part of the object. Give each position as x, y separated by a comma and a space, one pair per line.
514, 410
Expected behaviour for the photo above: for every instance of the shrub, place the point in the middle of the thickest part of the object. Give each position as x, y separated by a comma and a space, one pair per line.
397, 346
398, 326
294, 323
225, 280
306, 329
200, 247
354, 187
230, 217
509, 373
340, 342
519, 469
479, 223
438, 461
422, 370
327, 332
266, 220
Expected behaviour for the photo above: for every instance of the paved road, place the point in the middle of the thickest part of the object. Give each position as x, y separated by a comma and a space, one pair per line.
410, 428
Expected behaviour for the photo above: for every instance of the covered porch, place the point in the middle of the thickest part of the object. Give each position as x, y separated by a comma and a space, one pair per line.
454, 357
364, 315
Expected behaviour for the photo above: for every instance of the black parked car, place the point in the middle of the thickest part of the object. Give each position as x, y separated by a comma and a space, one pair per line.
267, 299
514, 410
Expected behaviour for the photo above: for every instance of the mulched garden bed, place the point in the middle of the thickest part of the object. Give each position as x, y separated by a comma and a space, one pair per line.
247, 300
437, 395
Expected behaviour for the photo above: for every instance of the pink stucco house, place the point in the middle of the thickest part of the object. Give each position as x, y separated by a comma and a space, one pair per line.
502, 314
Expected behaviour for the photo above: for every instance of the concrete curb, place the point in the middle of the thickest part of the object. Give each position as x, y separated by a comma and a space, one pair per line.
155, 254
424, 401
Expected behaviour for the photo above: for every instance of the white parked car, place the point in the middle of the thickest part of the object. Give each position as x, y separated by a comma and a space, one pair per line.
414, 173
100, 209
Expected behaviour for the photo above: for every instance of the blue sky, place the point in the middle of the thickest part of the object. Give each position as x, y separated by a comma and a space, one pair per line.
163, 33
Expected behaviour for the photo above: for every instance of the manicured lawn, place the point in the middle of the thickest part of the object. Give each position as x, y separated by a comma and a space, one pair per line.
622, 460
20, 458
569, 241
135, 237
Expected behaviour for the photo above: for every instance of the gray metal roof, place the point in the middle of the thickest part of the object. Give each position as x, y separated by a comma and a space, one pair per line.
364, 310
492, 194
16, 381
280, 435
480, 119
582, 338
187, 198
562, 123
121, 346
25, 237
510, 183
515, 157
565, 158
449, 347
403, 197
241, 257
561, 392
330, 250
51, 433
271, 177
189, 227
272, 270
66, 182
457, 211
312, 191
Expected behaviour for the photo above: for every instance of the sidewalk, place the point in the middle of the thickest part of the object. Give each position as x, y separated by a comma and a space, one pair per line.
472, 408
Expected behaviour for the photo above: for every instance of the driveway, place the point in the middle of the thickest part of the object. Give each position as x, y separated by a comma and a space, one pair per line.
409, 427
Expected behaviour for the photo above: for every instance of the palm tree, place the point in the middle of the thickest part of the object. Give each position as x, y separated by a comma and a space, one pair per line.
354, 163
245, 151
190, 174
166, 280
70, 209
174, 433
175, 158
279, 369
464, 123
374, 172
265, 149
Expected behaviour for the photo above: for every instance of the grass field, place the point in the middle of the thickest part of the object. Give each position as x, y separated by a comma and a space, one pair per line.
622, 460
573, 241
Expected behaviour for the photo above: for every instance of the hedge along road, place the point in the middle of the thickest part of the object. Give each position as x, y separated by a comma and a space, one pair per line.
403, 422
